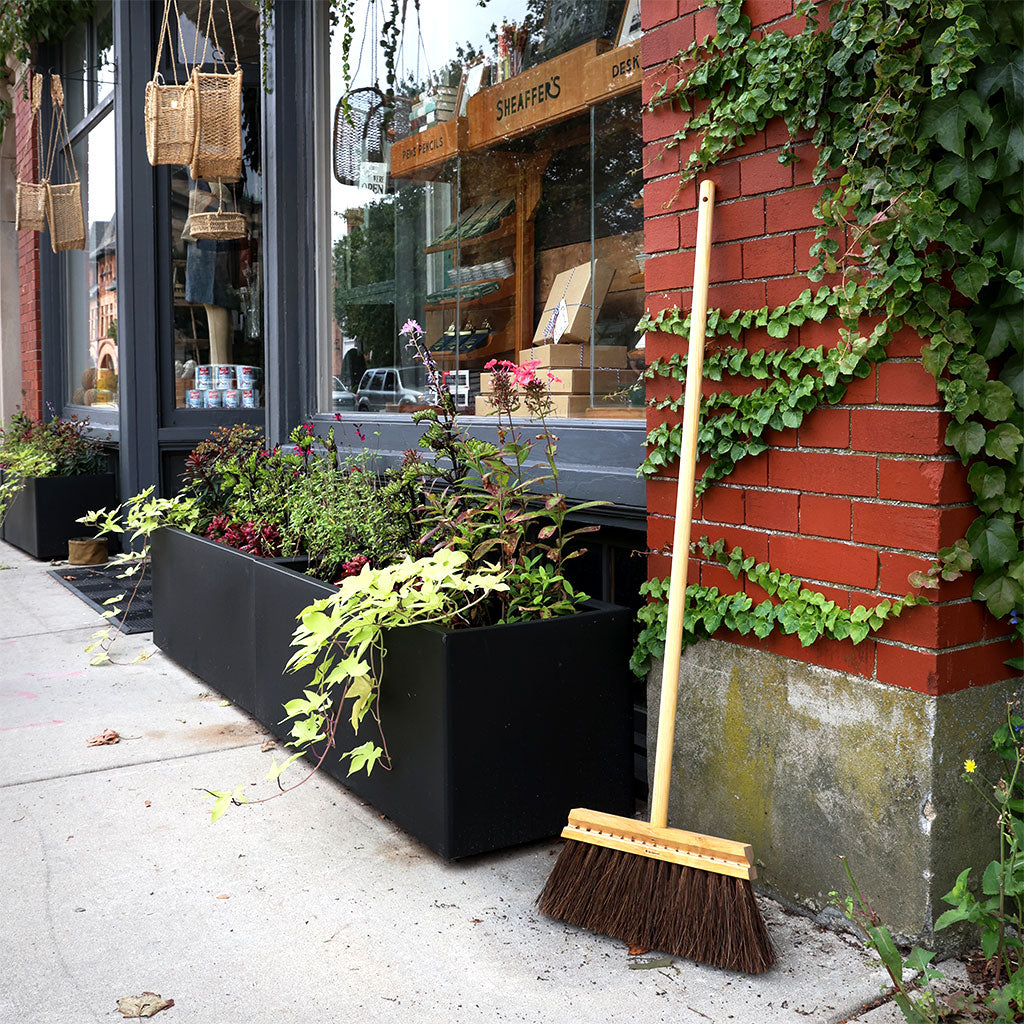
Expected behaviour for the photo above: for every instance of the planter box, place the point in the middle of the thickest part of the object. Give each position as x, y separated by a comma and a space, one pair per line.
495, 733
42, 518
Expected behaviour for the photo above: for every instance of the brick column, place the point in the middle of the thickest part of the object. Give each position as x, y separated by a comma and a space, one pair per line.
836, 748
28, 266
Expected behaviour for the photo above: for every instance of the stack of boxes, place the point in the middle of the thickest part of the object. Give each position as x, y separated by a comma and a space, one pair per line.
570, 364
224, 386
434, 105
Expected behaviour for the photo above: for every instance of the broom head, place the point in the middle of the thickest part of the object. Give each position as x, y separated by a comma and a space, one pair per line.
660, 888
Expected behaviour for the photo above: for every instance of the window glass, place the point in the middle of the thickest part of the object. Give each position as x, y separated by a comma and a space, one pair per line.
75, 69
488, 205
103, 51
217, 284
92, 276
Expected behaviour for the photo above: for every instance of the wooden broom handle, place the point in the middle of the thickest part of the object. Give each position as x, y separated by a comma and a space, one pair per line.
684, 510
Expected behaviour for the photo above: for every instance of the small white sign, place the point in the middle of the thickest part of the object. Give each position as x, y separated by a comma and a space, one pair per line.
561, 322
373, 176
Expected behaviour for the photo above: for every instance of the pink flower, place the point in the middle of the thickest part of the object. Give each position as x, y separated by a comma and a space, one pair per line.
411, 327
554, 379
524, 374
337, 415
491, 365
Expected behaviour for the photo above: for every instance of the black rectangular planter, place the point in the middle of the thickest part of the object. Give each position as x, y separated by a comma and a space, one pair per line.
42, 518
494, 733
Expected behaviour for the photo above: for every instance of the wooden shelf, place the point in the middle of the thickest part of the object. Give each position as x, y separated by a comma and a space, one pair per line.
499, 341
505, 229
500, 296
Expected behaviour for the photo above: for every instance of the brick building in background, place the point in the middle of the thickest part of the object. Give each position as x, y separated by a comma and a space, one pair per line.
836, 748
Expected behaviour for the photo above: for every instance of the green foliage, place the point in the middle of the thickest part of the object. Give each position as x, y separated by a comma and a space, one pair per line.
25, 23
798, 381
914, 104
57, 447
796, 609
135, 521
918, 1006
342, 638
997, 912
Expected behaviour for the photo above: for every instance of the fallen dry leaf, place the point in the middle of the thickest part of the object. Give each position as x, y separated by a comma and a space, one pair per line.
225, 703
223, 896
143, 1006
638, 950
269, 745
148, 803
107, 737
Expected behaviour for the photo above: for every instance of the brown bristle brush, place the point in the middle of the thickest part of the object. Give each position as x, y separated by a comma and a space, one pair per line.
646, 884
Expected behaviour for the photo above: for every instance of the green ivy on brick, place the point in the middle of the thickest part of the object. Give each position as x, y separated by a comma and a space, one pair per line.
915, 101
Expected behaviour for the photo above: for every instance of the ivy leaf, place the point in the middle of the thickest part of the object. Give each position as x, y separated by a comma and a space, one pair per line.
987, 481
1002, 441
993, 542
1000, 593
945, 120
997, 401
971, 279
966, 438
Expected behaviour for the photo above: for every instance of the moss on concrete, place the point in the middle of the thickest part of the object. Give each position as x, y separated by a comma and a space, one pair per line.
808, 764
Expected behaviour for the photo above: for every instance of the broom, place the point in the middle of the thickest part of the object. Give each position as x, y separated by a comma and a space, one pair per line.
649, 885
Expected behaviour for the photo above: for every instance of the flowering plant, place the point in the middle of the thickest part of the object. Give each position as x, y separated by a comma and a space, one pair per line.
489, 501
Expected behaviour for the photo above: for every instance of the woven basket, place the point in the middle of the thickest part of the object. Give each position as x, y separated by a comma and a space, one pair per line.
218, 226
30, 196
64, 214
170, 123
218, 148
30, 206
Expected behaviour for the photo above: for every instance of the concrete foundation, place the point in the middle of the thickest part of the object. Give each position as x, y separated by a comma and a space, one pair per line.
808, 764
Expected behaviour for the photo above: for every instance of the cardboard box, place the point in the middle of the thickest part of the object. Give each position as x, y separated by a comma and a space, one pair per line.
577, 382
564, 406
573, 287
550, 356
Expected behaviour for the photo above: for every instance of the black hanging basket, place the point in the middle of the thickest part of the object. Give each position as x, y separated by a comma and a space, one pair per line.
367, 134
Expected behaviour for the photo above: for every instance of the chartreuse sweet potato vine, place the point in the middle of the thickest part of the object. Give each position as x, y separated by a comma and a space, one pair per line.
342, 638
918, 104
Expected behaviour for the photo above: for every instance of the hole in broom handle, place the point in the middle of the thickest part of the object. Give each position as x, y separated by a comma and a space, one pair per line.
684, 510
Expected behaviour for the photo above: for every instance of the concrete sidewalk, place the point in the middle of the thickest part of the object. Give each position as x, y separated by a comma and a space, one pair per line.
311, 907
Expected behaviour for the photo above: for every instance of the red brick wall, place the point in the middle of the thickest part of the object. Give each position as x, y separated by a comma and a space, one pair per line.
28, 268
864, 492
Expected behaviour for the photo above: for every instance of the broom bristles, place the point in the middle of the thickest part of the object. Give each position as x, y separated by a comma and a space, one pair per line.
700, 915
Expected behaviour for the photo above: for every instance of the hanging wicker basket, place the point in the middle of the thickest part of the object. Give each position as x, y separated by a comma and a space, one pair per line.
30, 196
64, 213
170, 123
218, 225
63, 200
218, 101
30, 206
170, 114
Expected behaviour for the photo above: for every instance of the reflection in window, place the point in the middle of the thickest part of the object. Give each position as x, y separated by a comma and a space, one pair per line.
511, 239
92, 276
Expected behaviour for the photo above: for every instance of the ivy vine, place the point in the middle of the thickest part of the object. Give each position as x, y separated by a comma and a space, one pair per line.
807, 613
913, 108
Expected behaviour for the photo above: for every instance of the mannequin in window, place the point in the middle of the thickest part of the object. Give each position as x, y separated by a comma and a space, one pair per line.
210, 271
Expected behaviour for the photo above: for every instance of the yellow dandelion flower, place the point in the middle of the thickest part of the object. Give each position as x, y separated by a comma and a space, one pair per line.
969, 766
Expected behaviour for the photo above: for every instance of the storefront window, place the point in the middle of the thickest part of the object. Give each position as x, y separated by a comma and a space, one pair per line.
216, 281
497, 204
91, 273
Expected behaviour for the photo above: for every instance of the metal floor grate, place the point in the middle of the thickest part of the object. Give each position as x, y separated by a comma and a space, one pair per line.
95, 584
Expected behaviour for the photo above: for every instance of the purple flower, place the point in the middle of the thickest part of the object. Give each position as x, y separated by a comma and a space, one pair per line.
411, 327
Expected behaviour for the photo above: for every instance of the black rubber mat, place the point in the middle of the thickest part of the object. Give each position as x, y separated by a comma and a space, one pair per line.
95, 584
